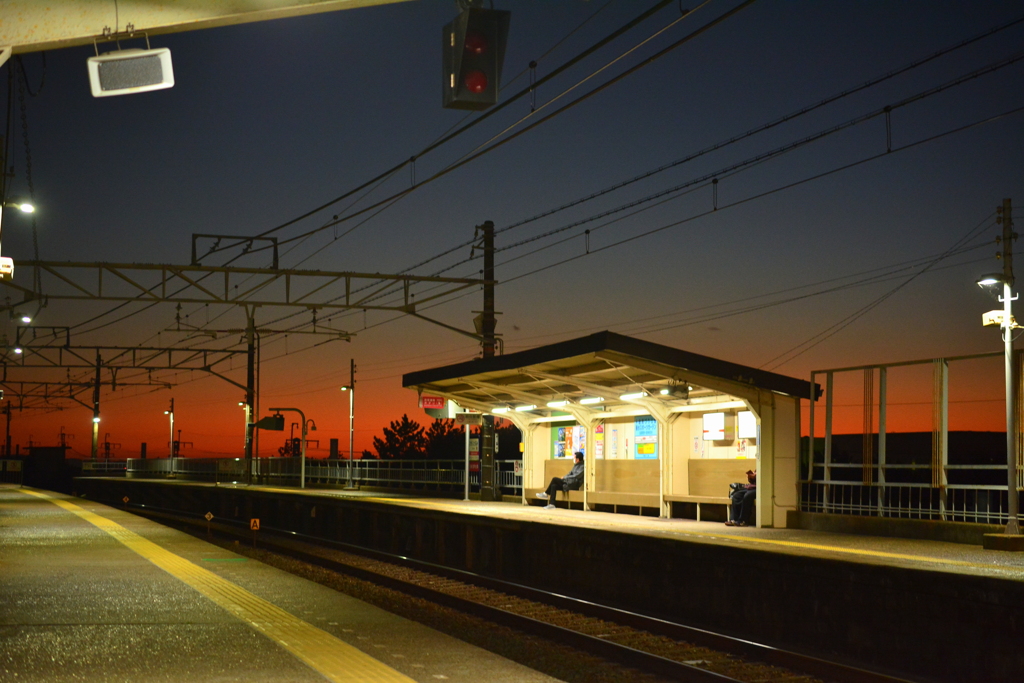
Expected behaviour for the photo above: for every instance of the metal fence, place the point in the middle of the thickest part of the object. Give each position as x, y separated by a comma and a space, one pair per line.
875, 473
978, 503
446, 476
104, 468
11, 471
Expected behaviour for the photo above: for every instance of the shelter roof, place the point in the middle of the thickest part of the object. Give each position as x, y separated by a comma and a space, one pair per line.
604, 365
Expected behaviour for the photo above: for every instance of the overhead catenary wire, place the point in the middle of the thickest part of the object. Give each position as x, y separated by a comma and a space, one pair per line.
737, 167
380, 178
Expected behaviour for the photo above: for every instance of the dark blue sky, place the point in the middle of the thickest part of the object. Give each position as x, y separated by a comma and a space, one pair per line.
269, 120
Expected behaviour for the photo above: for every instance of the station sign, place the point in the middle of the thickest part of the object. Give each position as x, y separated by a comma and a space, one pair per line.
469, 419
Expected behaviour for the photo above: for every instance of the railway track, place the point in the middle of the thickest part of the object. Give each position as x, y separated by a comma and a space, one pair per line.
663, 649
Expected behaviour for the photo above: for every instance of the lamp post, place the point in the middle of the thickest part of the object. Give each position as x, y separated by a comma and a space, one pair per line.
7, 264
351, 389
170, 444
302, 416
1006, 325
245, 408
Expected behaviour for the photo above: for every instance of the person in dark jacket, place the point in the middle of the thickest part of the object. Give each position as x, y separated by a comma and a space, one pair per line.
743, 502
570, 482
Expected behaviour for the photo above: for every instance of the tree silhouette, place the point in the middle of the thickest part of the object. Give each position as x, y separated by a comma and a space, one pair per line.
445, 441
404, 440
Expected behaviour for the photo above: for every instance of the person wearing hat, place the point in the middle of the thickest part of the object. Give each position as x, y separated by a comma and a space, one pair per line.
570, 482
743, 501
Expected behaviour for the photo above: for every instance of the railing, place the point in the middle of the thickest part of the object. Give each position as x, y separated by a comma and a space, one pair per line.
446, 476
103, 468
946, 475
905, 498
11, 471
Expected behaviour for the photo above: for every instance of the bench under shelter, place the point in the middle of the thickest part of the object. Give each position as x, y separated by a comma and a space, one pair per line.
664, 431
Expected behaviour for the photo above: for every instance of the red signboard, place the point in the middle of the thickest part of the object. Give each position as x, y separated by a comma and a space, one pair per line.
434, 402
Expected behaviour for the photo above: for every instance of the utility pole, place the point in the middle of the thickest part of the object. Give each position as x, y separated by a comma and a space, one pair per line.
96, 410
1013, 498
250, 391
351, 419
7, 442
486, 322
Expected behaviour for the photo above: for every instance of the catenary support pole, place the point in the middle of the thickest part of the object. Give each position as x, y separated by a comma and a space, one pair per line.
1012, 508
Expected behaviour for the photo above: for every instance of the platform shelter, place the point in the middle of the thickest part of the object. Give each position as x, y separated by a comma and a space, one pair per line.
664, 431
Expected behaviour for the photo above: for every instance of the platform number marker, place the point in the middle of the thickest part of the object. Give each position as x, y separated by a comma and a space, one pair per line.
208, 516
125, 501
254, 524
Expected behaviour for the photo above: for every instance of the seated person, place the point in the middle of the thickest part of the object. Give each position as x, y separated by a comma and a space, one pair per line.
570, 482
743, 502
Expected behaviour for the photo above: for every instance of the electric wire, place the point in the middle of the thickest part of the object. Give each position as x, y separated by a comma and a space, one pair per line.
805, 346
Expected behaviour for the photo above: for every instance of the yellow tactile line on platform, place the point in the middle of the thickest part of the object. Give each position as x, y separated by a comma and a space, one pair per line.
334, 658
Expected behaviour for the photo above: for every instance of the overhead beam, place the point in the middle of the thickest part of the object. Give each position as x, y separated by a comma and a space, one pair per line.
198, 284
33, 25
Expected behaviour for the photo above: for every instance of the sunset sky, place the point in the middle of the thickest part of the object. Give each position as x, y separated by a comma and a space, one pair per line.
857, 247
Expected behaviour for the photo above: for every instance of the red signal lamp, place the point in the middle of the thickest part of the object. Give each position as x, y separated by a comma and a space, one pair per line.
476, 44
476, 81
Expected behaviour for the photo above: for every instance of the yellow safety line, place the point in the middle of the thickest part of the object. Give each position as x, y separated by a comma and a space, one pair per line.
334, 658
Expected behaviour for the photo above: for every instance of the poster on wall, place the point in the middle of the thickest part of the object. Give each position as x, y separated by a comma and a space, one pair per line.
599, 442
645, 436
579, 440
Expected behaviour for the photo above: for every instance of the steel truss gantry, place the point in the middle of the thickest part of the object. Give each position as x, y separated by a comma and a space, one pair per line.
198, 284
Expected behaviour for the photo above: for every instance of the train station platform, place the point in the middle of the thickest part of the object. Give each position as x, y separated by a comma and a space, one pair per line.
916, 609
90, 592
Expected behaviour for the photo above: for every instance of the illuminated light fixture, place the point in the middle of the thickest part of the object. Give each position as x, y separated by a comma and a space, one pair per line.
558, 404
632, 396
500, 410
524, 409
26, 318
96, 419
676, 390
590, 400
17, 349
989, 280
26, 207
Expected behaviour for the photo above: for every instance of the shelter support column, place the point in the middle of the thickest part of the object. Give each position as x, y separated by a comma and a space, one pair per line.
529, 456
666, 459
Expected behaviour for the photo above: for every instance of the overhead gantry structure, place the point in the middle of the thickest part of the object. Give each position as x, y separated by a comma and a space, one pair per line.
249, 288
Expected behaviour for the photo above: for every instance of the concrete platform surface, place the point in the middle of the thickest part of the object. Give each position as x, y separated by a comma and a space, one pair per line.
89, 592
939, 556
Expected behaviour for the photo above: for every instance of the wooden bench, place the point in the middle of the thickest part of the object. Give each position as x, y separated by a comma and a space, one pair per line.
634, 484
702, 500
621, 483
614, 499
709, 483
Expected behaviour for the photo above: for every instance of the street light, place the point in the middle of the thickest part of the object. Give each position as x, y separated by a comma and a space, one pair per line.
7, 264
351, 423
1006, 324
170, 413
1004, 319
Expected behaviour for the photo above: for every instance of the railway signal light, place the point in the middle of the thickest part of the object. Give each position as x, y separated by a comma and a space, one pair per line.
474, 50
